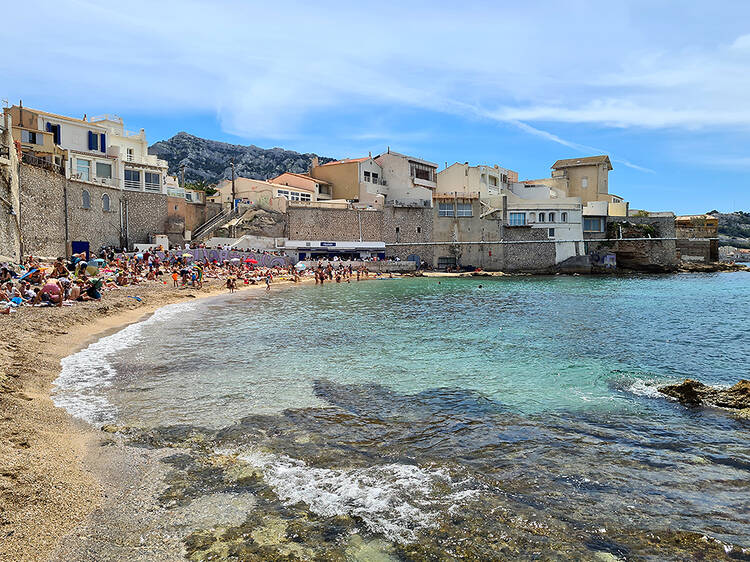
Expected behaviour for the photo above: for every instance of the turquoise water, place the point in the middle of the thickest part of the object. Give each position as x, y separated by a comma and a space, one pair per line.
502, 418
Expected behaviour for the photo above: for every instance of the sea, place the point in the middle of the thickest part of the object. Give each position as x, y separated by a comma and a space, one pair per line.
505, 418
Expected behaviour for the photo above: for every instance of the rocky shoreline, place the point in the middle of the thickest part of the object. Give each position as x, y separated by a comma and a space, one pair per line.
694, 393
46, 491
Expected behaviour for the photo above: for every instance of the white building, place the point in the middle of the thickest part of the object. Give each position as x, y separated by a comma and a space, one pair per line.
100, 150
408, 180
544, 207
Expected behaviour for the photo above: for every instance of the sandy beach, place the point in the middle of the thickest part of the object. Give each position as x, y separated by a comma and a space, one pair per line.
45, 489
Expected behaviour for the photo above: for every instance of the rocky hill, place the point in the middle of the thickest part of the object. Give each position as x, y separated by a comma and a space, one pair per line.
210, 160
734, 228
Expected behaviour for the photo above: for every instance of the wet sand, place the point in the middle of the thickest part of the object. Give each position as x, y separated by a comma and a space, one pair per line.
47, 487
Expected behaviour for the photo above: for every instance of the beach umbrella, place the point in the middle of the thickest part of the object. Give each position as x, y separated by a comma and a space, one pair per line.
188, 256
92, 270
235, 259
300, 266
139, 256
251, 260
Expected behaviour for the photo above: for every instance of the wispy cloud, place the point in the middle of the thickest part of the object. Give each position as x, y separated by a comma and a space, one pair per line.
281, 77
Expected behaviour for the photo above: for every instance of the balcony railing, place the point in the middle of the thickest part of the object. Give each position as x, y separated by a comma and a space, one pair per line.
132, 184
153, 187
42, 163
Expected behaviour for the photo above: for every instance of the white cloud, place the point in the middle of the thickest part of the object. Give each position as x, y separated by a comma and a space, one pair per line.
269, 69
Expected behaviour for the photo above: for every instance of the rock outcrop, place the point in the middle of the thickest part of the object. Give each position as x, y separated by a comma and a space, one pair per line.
693, 392
209, 160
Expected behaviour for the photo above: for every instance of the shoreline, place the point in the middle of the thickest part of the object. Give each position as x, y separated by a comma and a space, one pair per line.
45, 489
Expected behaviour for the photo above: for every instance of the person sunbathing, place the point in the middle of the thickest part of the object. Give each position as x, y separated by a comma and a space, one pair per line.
51, 292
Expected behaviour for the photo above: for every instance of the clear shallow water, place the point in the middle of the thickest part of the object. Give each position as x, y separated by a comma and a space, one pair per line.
415, 418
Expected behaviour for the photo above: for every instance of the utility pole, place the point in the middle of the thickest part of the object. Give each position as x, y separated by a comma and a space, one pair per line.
233, 192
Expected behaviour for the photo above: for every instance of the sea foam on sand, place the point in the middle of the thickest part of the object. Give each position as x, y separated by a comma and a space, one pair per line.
80, 387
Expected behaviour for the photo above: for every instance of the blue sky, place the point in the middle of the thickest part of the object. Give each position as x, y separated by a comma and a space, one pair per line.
662, 87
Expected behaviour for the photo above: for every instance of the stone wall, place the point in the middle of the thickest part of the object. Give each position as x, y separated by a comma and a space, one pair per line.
334, 224
701, 251
532, 257
10, 231
43, 203
42, 211
407, 224
642, 255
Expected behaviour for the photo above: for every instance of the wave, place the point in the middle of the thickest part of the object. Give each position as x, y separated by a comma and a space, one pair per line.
393, 500
86, 374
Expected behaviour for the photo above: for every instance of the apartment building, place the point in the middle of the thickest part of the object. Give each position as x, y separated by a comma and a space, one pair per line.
321, 188
259, 192
352, 179
96, 150
485, 181
409, 181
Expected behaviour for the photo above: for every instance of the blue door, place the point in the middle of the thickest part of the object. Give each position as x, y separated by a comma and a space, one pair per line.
78, 247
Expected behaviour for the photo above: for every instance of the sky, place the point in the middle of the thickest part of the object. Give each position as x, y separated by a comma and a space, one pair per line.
662, 87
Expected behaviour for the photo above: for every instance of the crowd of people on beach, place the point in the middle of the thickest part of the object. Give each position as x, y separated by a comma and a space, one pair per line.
63, 282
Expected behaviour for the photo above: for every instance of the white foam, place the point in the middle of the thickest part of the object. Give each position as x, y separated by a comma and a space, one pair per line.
84, 375
394, 500
649, 388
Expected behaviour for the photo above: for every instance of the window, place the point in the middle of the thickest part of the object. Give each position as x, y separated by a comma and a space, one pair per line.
593, 224
563, 217
367, 176
85, 199
422, 171
541, 217
28, 136
464, 210
532, 217
551, 232
517, 219
93, 141
132, 179
130, 155
103, 170
584, 182
153, 181
419, 229
551, 217
374, 177
493, 181
446, 262
83, 169
105, 202
445, 209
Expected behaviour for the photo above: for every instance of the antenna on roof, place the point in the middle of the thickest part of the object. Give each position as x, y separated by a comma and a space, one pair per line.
389, 150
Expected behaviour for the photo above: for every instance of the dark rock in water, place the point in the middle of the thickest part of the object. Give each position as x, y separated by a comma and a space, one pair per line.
695, 392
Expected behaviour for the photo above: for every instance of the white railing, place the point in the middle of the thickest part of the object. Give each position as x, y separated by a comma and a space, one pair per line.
155, 187
132, 184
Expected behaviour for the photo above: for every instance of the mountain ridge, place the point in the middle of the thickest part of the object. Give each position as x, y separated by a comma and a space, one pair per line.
210, 160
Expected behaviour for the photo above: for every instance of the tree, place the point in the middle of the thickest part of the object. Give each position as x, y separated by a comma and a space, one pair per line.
202, 185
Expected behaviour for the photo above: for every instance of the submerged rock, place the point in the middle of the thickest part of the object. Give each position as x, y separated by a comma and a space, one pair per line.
695, 392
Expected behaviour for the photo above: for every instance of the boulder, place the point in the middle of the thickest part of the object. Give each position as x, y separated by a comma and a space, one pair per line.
693, 392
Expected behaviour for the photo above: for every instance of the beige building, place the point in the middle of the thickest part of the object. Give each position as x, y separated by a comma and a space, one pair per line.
588, 179
352, 179
486, 181
305, 182
37, 144
258, 192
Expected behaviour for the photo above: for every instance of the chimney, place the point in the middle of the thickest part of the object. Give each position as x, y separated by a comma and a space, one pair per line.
84, 117
369, 153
